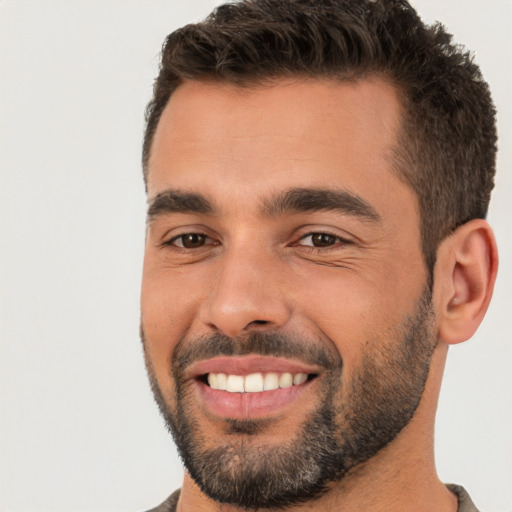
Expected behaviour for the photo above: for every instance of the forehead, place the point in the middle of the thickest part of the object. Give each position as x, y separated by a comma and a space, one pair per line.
298, 133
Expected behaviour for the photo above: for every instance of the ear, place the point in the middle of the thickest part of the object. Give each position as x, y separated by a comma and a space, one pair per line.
464, 275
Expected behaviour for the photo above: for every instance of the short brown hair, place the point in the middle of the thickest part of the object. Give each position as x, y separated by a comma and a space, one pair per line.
447, 147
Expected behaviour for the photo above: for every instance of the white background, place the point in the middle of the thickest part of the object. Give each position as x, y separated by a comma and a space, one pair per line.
79, 430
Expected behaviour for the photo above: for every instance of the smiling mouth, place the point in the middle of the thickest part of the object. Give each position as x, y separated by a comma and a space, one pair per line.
252, 386
255, 382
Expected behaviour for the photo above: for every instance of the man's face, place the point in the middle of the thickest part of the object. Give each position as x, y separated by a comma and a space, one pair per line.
283, 266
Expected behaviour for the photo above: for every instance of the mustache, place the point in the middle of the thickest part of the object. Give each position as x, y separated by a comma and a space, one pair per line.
311, 351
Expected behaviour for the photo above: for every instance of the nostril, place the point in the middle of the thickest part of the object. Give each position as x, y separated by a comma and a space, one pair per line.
258, 322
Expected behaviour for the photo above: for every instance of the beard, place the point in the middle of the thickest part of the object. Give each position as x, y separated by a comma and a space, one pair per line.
351, 424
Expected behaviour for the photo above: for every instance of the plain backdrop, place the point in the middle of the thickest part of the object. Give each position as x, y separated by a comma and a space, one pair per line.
79, 429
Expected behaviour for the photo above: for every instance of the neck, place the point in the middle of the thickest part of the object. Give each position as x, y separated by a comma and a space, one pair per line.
401, 477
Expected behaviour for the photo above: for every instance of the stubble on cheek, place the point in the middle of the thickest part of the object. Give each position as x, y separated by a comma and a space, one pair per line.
163, 393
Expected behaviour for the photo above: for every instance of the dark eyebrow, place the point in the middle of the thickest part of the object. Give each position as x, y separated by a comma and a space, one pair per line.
175, 201
297, 200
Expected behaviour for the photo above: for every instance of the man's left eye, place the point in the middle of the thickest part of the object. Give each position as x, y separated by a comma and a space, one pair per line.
320, 240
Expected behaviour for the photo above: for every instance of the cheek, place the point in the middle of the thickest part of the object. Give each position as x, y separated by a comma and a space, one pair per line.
346, 317
356, 312
166, 314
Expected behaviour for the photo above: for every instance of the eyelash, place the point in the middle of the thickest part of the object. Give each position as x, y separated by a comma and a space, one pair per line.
334, 246
172, 241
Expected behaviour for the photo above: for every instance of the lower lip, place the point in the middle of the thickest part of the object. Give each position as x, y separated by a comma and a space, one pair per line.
250, 405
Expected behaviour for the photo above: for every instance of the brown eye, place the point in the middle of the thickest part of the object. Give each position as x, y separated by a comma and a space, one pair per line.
190, 240
323, 239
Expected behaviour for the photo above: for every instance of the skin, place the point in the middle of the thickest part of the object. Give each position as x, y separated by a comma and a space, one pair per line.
260, 272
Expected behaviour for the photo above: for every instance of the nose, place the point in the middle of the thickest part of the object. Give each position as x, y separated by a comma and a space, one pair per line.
247, 293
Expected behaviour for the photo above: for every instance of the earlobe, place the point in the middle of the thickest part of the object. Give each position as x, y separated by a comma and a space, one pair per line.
464, 276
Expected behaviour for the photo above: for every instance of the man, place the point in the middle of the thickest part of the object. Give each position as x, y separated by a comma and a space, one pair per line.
318, 175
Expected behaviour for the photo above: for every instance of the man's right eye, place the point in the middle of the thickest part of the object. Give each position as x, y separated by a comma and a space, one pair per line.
189, 240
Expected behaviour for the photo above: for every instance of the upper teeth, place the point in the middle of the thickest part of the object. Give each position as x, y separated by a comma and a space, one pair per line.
254, 382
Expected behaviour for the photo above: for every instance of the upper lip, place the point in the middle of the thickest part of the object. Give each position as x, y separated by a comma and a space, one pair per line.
245, 365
